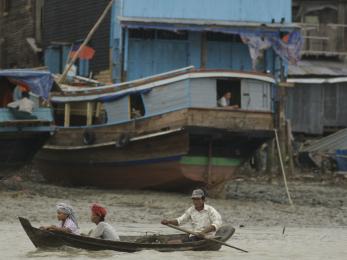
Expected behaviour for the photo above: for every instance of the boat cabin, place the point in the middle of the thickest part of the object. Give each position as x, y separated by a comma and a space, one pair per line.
12, 84
164, 93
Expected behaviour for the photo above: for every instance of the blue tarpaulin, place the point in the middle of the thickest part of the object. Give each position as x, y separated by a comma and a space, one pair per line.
39, 82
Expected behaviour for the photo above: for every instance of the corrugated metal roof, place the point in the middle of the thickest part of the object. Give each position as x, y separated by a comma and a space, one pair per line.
321, 69
317, 80
329, 144
204, 22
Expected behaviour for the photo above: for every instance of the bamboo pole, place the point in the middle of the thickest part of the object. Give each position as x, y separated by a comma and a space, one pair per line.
282, 168
89, 36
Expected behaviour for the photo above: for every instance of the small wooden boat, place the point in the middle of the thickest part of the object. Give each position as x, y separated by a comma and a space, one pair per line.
53, 239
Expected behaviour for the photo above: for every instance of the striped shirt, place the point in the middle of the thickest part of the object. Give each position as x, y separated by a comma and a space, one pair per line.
201, 219
70, 225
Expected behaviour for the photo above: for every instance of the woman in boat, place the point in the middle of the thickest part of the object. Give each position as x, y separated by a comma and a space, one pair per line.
103, 229
205, 219
67, 216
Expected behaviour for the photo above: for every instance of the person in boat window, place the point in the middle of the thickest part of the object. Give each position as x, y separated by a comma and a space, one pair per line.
67, 217
225, 100
103, 229
23, 108
205, 219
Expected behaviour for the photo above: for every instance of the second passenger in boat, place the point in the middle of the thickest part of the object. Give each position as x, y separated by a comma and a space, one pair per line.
103, 229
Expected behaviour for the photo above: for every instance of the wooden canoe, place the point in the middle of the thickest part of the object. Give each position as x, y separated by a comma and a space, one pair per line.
52, 239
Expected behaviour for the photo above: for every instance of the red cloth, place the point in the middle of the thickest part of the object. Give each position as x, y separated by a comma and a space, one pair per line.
99, 210
87, 53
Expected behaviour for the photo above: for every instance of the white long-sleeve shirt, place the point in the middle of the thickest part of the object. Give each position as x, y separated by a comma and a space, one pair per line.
105, 231
223, 102
24, 104
201, 219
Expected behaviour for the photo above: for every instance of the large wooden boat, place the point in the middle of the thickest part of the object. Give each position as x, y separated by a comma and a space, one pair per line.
163, 132
20, 139
53, 239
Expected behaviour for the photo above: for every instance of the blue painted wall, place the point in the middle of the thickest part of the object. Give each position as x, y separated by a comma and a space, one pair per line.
232, 10
148, 57
144, 57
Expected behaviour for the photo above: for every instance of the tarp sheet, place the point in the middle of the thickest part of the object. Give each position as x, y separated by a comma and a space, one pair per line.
286, 42
39, 82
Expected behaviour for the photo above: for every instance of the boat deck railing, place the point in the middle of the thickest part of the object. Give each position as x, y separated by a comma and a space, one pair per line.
43, 115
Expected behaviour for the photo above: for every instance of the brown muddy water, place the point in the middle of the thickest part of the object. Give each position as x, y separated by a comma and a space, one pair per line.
315, 229
263, 243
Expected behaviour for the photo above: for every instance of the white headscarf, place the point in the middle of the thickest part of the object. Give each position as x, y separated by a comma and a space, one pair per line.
68, 210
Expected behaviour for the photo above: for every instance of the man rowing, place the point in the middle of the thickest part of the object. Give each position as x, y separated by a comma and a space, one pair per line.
205, 219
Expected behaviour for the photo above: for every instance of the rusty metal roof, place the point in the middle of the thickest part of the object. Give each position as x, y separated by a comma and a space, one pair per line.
317, 69
330, 143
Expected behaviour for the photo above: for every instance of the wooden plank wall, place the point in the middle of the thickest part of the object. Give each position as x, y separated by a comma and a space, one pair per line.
118, 110
203, 92
312, 108
17, 24
167, 98
304, 107
70, 21
255, 95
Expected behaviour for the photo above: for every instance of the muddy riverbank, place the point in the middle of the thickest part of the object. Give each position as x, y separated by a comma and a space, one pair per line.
257, 207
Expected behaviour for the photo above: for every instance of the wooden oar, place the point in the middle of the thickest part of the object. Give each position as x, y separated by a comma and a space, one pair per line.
206, 238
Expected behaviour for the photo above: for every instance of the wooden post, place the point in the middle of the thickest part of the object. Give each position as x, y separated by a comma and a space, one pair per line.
67, 115
89, 36
89, 113
270, 157
289, 146
341, 14
203, 55
98, 109
282, 123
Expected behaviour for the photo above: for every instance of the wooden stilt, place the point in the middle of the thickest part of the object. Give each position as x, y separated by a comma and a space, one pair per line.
89, 113
67, 115
290, 146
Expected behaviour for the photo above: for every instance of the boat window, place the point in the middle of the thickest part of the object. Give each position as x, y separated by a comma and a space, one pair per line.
137, 106
234, 87
78, 114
